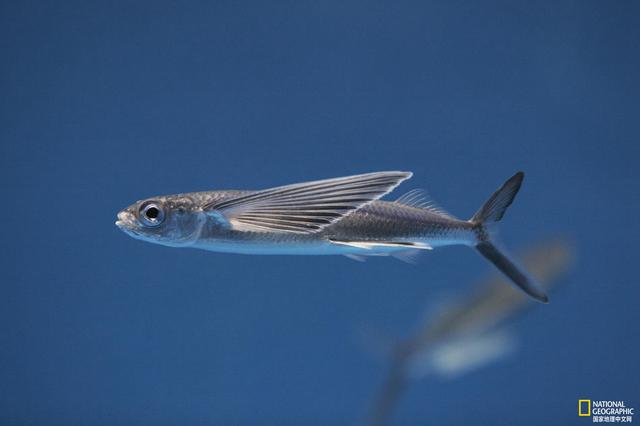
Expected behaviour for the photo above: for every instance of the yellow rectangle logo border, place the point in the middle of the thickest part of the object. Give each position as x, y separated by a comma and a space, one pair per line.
580, 402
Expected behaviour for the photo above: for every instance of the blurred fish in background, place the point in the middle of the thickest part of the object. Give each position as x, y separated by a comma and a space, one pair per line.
467, 334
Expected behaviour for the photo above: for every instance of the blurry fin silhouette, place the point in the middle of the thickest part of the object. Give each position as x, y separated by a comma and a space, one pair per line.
464, 336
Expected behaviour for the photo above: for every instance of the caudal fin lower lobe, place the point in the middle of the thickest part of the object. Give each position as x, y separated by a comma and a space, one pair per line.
517, 275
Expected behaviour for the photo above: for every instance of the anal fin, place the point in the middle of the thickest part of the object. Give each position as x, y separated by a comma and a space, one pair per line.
356, 257
407, 256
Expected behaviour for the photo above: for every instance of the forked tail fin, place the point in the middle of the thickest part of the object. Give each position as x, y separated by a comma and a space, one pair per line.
491, 212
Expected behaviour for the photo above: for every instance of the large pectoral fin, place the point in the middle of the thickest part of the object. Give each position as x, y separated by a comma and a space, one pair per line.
305, 207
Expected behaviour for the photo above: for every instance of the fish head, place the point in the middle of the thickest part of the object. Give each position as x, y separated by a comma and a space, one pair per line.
168, 220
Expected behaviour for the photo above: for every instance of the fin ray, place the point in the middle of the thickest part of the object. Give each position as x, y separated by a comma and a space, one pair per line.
419, 198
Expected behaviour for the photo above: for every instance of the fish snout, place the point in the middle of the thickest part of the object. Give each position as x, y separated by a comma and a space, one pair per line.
125, 219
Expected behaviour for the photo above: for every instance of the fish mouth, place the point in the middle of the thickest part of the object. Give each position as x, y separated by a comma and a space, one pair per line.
125, 220
128, 224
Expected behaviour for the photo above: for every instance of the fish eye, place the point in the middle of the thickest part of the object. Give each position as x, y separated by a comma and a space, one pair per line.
151, 214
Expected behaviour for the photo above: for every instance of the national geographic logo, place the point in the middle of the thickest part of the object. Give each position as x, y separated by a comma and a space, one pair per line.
605, 411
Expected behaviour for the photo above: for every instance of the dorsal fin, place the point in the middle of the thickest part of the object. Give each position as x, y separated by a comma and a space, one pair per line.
414, 198
419, 198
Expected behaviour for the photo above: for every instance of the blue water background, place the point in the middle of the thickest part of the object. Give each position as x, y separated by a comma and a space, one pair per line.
106, 103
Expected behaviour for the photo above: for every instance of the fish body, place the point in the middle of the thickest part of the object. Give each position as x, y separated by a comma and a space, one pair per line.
328, 217
378, 222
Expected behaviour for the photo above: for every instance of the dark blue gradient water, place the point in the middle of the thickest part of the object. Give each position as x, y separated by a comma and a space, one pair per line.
104, 104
